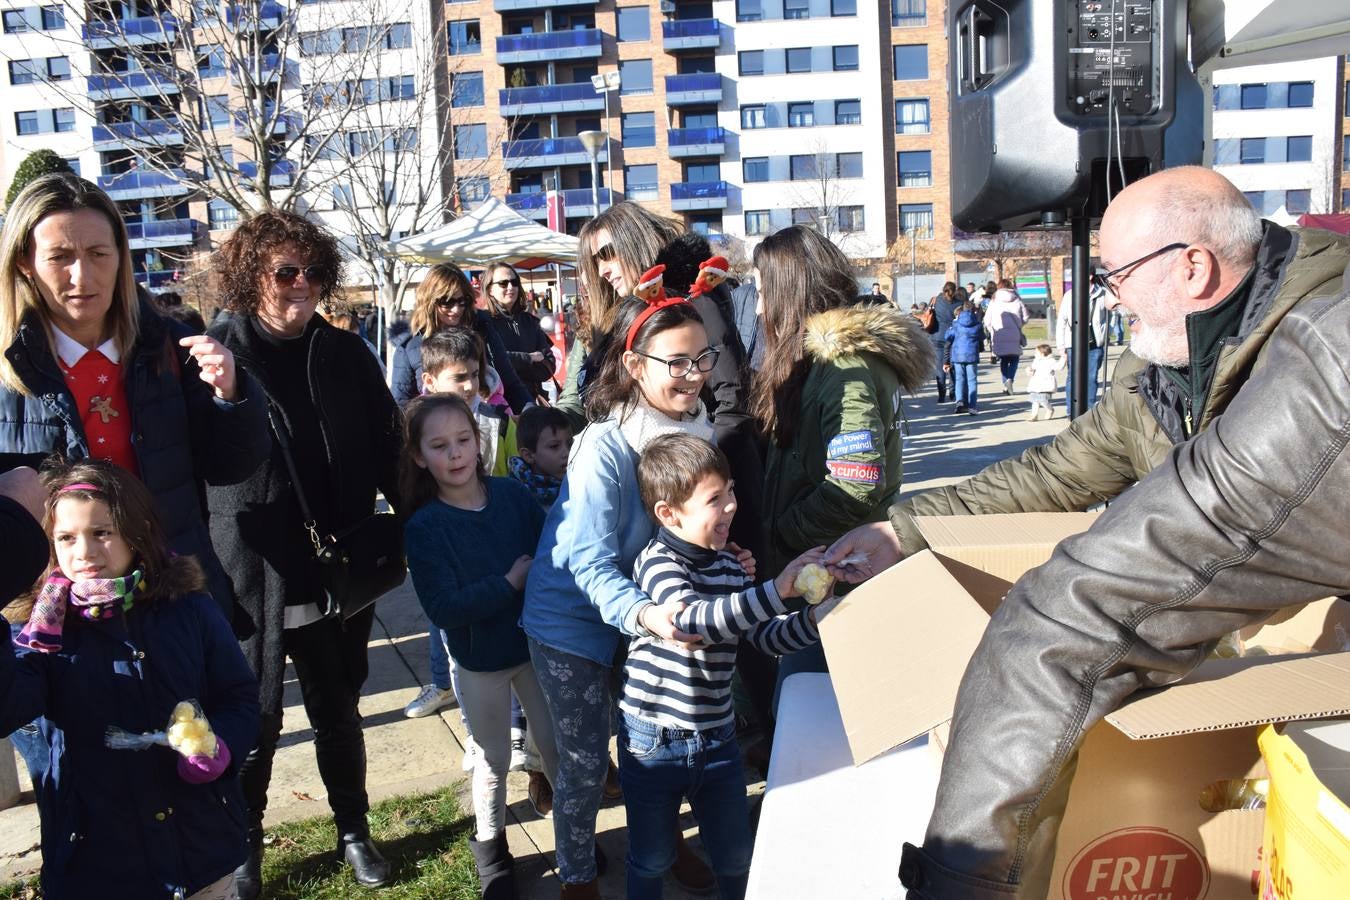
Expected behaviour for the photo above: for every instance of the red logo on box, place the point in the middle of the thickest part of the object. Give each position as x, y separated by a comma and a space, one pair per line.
1137, 864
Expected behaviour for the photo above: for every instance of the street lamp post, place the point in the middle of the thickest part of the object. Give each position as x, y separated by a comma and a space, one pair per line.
606, 82
593, 141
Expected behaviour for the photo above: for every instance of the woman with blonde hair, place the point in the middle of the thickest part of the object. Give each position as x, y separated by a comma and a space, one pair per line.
528, 348
89, 368
445, 299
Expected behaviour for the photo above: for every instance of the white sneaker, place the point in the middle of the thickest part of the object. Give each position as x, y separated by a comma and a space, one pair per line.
519, 757
431, 699
471, 754
1034, 415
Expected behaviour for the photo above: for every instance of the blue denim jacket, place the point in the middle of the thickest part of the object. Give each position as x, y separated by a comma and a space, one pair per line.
580, 590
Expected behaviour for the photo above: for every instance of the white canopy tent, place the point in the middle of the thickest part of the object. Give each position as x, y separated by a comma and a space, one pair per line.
1227, 33
489, 232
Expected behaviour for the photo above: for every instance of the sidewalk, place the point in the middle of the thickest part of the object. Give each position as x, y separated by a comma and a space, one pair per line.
414, 755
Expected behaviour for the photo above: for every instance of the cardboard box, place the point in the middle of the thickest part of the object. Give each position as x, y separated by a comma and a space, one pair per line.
1134, 827
1306, 851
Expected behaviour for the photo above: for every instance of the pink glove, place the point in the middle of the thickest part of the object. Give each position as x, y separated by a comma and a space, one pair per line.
204, 769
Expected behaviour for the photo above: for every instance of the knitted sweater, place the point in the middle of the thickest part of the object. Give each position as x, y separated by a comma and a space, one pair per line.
691, 689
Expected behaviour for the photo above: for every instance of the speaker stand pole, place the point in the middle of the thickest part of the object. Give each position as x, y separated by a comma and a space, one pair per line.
1079, 373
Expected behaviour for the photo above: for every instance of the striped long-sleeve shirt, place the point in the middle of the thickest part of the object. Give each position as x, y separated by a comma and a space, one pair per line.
692, 689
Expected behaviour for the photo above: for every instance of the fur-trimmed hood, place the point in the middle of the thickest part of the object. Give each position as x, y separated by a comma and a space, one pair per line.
881, 330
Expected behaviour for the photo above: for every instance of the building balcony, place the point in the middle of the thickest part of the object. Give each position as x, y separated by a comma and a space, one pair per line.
692, 89
143, 185
286, 123
137, 135
577, 203
549, 46
270, 67
546, 153
102, 34
263, 15
551, 98
696, 142
163, 233
690, 34
503, 6
129, 85
688, 196
282, 173
160, 279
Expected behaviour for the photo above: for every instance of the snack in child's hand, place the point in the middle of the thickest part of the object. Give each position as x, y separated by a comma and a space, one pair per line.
814, 582
189, 733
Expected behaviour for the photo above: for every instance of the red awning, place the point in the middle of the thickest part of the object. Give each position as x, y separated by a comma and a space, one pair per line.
1337, 222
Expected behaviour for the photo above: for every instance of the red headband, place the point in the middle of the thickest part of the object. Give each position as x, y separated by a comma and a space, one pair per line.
650, 292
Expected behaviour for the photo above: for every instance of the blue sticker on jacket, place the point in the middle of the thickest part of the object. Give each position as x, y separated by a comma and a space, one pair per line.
848, 443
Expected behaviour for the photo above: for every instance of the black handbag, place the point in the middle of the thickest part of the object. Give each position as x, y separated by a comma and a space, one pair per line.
357, 565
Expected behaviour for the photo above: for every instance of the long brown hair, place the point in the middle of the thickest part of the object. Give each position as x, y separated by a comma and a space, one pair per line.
801, 274
637, 235
490, 301
614, 389
416, 485
443, 280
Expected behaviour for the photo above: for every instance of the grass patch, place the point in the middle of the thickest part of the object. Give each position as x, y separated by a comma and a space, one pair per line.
425, 837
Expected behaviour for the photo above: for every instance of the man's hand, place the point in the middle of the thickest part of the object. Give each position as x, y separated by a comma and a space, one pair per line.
863, 552
22, 485
744, 557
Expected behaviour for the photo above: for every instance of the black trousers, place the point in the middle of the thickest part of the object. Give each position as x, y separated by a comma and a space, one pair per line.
330, 663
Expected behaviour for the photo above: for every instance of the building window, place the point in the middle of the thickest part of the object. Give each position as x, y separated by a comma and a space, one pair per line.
805, 215
915, 168
798, 60
53, 18
635, 76
757, 221
909, 13
746, 11
216, 110
1253, 96
703, 173
849, 219
1297, 202
751, 62
796, 9
911, 117
802, 167
706, 224
1300, 94
26, 122
1253, 151
398, 37
699, 120
221, 216
22, 71
63, 119
801, 115
471, 141
1299, 149
911, 62
639, 182
74, 163
633, 23
15, 23
465, 38
466, 89
843, 7
210, 60
639, 129
344, 196
848, 112
752, 117
473, 189
58, 68
917, 218
849, 165
755, 169
846, 58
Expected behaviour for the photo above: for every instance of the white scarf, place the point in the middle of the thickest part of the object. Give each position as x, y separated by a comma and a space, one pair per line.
641, 424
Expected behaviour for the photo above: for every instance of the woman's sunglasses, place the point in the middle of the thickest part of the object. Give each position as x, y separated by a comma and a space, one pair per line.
604, 254
448, 303
506, 282
286, 275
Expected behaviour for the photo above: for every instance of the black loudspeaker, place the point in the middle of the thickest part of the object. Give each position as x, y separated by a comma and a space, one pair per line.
1053, 100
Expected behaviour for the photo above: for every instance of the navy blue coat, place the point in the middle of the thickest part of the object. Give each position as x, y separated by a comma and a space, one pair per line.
121, 823
405, 382
963, 339
182, 434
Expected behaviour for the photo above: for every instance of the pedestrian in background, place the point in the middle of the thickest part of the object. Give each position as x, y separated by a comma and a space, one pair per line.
527, 347
1004, 321
962, 359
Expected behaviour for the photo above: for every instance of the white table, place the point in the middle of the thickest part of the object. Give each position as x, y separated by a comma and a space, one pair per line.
828, 829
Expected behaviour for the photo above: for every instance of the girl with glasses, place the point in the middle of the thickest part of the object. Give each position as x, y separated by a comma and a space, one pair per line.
445, 299
528, 348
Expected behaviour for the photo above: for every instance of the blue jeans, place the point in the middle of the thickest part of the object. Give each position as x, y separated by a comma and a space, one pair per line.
966, 384
1094, 366
576, 691
1007, 366
658, 768
36, 753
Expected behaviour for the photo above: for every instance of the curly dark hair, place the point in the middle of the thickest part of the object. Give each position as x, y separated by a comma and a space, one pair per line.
240, 262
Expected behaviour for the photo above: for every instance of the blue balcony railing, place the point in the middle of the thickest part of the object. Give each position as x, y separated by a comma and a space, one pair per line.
266, 13
281, 124
695, 87
692, 138
576, 202
578, 43
280, 174
524, 101
163, 229
698, 195
269, 66
131, 81
162, 27
562, 151
691, 33
138, 132
139, 182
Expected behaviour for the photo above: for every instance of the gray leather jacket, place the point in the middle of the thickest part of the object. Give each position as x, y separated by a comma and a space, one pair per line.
1245, 519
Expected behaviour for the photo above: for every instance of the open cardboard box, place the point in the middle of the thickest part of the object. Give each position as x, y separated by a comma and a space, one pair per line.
897, 648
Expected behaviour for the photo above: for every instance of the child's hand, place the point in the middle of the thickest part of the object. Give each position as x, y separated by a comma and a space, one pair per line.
786, 580
519, 569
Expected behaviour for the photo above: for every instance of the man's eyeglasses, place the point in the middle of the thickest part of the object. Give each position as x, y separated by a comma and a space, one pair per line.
604, 254
286, 275
448, 303
681, 366
504, 283
1103, 279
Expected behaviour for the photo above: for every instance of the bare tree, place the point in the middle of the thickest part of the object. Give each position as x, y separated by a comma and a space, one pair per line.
910, 256
1002, 249
821, 189
733, 249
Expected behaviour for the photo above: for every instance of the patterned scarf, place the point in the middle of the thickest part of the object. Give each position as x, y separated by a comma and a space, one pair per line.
94, 599
545, 487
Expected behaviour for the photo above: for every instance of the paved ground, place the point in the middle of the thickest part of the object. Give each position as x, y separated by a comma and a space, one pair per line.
407, 755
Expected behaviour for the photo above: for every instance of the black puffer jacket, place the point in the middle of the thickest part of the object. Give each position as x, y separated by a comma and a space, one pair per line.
181, 434
521, 335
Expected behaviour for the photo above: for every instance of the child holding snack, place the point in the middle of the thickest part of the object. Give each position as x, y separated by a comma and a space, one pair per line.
118, 636
544, 439
469, 543
1041, 387
678, 735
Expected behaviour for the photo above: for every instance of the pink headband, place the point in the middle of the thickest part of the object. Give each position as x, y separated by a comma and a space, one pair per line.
81, 486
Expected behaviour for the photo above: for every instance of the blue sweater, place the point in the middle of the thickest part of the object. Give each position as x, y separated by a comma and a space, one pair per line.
579, 591
459, 559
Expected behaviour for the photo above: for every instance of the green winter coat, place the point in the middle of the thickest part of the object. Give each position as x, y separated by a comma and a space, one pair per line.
1127, 435
844, 466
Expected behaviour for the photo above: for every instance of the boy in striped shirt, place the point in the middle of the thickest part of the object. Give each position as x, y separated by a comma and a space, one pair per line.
678, 734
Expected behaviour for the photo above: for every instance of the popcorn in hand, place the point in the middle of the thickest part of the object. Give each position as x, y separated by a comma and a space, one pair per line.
189, 733
814, 582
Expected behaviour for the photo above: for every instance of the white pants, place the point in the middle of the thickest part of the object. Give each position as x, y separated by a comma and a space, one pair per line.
485, 698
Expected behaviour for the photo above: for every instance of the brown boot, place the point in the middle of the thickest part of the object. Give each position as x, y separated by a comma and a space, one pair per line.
589, 890
691, 872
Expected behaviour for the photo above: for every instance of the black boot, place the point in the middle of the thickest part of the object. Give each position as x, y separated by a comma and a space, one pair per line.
248, 877
369, 866
941, 390
496, 868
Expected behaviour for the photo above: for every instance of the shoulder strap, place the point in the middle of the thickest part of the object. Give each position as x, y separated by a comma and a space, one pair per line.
284, 442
